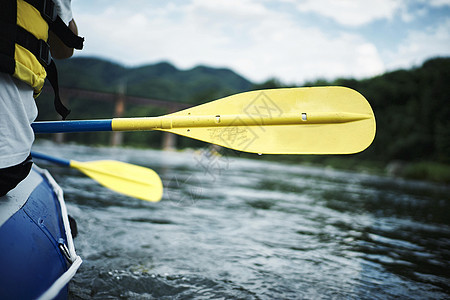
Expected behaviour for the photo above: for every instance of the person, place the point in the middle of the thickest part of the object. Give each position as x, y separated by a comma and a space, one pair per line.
25, 62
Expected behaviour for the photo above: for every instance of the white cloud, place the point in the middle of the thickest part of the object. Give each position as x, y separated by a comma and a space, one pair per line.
351, 12
241, 10
420, 45
249, 38
254, 38
438, 3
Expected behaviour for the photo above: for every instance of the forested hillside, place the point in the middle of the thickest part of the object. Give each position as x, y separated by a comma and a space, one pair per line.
412, 109
160, 81
411, 106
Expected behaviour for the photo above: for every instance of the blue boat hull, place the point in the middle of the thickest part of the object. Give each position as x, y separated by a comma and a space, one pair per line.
37, 256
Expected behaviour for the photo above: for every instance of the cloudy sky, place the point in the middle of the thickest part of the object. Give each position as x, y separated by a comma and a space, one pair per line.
292, 40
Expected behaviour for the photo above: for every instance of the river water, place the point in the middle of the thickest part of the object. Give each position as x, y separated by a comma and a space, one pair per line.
235, 228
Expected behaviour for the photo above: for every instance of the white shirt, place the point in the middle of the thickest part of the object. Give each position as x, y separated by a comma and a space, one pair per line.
17, 111
64, 10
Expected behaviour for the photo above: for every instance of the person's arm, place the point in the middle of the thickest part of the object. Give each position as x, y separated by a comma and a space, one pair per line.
58, 49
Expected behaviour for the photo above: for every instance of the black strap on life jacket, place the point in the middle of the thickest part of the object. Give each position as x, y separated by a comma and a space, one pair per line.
41, 50
52, 76
62, 31
8, 16
56, 24
11, 33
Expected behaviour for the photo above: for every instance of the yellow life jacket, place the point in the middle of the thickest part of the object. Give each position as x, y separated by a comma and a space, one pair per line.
24, 52
27, 67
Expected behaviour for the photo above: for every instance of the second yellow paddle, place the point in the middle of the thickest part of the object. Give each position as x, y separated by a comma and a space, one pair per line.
131, 180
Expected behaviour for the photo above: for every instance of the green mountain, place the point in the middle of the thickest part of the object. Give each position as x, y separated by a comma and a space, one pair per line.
160, 81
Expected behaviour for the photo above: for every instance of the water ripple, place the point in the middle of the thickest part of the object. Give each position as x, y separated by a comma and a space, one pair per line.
256, 230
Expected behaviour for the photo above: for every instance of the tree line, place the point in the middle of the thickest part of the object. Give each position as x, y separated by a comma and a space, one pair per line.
411, 107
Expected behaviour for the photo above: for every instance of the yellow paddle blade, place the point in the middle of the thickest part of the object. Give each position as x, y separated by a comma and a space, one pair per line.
316, 120
124, 178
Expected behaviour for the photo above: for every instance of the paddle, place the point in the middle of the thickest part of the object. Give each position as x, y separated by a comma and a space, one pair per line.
316, 120
124, 178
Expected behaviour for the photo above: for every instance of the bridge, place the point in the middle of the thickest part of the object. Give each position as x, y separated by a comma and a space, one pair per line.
120, 99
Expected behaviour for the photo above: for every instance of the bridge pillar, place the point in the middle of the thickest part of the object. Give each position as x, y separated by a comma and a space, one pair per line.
59, 137
117, 136
169, 141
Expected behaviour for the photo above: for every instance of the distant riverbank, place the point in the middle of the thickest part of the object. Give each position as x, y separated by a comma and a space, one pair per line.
421, 170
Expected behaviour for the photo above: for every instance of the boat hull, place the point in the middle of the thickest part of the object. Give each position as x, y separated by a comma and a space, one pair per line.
36, 247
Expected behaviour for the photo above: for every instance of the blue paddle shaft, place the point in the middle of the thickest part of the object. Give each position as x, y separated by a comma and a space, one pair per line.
72, 126
59, 161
